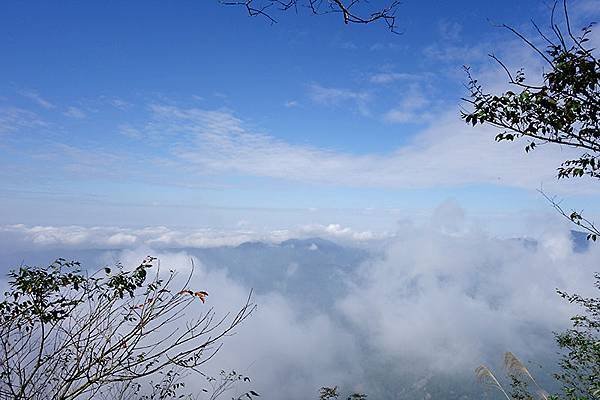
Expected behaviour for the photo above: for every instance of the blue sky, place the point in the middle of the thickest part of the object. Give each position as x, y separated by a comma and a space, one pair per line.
191, 113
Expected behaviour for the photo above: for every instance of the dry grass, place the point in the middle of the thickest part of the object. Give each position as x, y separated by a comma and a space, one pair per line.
514, 367
485, 376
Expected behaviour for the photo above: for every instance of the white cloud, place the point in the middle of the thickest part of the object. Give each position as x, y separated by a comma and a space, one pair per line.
413, 108
79, 237
74, 112
37, 98
442, 297
330, 96
113, 237
261, 347
453, 301
460, 54
347, 46
129, 131
450, 30
84, 161
13, 119
339, 232
334, 96
389, 77
119, 103
391, 46
448, 153
377, 46
208, 143
582, 12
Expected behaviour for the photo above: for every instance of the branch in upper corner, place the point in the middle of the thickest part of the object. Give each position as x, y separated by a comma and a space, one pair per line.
353, 11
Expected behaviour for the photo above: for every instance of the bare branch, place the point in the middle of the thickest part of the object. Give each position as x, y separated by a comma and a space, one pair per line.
353, 11
76, 336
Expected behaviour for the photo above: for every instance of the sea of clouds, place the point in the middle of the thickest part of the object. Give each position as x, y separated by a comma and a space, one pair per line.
431, 302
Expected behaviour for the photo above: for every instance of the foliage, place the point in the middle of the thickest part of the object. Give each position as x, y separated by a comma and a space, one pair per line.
225, 382
519, 388
330, 393
580, 365
564, 109
67, 334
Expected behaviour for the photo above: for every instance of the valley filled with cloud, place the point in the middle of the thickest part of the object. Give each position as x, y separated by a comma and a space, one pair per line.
407, 315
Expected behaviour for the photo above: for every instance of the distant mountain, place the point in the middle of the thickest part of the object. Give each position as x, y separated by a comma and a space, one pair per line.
300, 268
579, 242
315, 243
292, 266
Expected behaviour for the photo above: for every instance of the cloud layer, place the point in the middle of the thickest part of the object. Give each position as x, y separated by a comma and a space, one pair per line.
439, 302
21, 237
448, 153
441, 298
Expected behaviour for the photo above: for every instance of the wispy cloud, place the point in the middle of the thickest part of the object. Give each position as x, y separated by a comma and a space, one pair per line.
119, 103
450, 30
13, 119
129, 131
389, 77
348, 46
88, 162
413, 108
585, 9
217, 143
74, 112
391, 46
451, 53
332, 96
37, 98
444, 154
